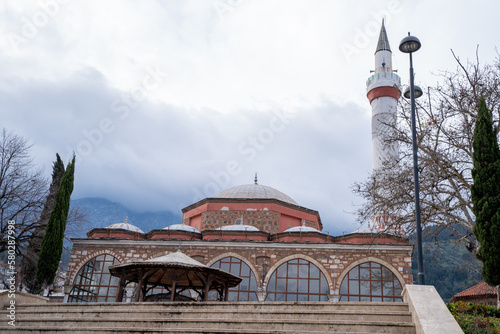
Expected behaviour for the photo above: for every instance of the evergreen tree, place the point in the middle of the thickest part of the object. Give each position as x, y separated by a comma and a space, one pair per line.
485, 194
30, 256
52, 244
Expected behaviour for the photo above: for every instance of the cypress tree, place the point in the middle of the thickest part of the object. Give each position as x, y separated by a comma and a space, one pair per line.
486, 194
30, 257
52, 244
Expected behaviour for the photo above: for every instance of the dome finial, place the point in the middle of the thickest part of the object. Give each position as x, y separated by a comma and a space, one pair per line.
126, 219
255, 180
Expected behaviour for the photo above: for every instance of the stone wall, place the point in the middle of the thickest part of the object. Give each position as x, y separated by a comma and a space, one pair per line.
334, 260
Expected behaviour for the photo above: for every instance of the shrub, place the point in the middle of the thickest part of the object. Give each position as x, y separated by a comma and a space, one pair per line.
476, 318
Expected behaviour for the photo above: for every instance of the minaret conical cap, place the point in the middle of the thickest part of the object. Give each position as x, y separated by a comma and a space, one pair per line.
383, 41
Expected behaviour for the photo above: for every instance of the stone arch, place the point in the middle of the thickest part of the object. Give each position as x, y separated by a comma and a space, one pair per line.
87, 258
369, 259
302, 257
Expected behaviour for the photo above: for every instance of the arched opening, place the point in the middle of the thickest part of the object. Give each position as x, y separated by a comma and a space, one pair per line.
370, 282
297, 280
247, 289
93, 282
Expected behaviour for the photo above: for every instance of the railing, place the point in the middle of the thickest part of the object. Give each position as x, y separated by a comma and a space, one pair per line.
384, 75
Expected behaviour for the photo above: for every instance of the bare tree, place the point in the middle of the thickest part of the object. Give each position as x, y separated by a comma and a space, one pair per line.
22, 190
25, 199
446, 118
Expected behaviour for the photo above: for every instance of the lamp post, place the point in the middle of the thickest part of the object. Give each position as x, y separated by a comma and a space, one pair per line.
410, 44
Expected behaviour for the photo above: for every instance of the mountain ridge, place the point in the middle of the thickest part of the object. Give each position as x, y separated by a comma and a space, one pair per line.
101, 212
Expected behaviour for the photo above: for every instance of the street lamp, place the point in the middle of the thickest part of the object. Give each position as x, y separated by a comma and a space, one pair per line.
418, 92
410, 44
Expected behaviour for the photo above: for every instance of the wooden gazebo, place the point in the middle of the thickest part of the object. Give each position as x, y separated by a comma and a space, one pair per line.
175, 272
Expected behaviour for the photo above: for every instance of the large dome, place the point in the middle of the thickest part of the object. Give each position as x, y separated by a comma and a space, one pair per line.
255, 191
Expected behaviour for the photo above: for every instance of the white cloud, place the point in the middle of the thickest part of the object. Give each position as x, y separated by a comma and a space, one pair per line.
225, 68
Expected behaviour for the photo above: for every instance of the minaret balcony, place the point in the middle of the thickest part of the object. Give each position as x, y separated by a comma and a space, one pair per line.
383, 79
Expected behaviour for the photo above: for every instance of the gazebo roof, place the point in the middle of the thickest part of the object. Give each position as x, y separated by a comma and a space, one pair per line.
178, 267
176, 258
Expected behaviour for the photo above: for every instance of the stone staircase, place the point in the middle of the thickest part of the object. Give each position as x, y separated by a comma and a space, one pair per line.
211, 317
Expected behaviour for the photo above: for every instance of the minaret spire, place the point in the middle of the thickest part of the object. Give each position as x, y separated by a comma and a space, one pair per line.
383, 41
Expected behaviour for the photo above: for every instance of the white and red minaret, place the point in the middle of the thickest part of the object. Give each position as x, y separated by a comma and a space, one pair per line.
383, 91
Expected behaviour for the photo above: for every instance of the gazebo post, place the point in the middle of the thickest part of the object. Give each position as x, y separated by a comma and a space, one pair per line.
139, 286
172, 292
207, 288
144, 289
119, 296
226, 291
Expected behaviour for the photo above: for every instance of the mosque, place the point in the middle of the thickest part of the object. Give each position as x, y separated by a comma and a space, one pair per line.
262, 244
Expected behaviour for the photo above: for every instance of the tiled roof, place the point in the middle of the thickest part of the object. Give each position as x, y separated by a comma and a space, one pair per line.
480, 289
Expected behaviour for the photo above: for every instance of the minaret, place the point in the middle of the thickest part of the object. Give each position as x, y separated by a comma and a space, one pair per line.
383, 91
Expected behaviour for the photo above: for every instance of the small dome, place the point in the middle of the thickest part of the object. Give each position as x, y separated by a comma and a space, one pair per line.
302, 229
365, 230
379, 229
125, 226
256, 191
181, 227
239, 227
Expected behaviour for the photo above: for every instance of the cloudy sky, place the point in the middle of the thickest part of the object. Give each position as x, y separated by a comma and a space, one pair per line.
168, 102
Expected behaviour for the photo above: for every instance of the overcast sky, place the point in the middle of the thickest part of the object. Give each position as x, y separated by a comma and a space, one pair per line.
169, 102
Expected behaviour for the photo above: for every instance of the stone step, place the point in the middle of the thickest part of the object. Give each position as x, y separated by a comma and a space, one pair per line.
280, 324
312, 306
111, 314
107, 330
213, 317
234, 324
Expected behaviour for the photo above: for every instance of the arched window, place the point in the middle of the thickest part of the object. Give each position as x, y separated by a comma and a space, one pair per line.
370, 282
297, 280
94, 283
246, 290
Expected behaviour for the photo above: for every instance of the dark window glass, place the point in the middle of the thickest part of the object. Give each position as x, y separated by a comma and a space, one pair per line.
93, 282
368, 282
314, 272
246, 290
297, 280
